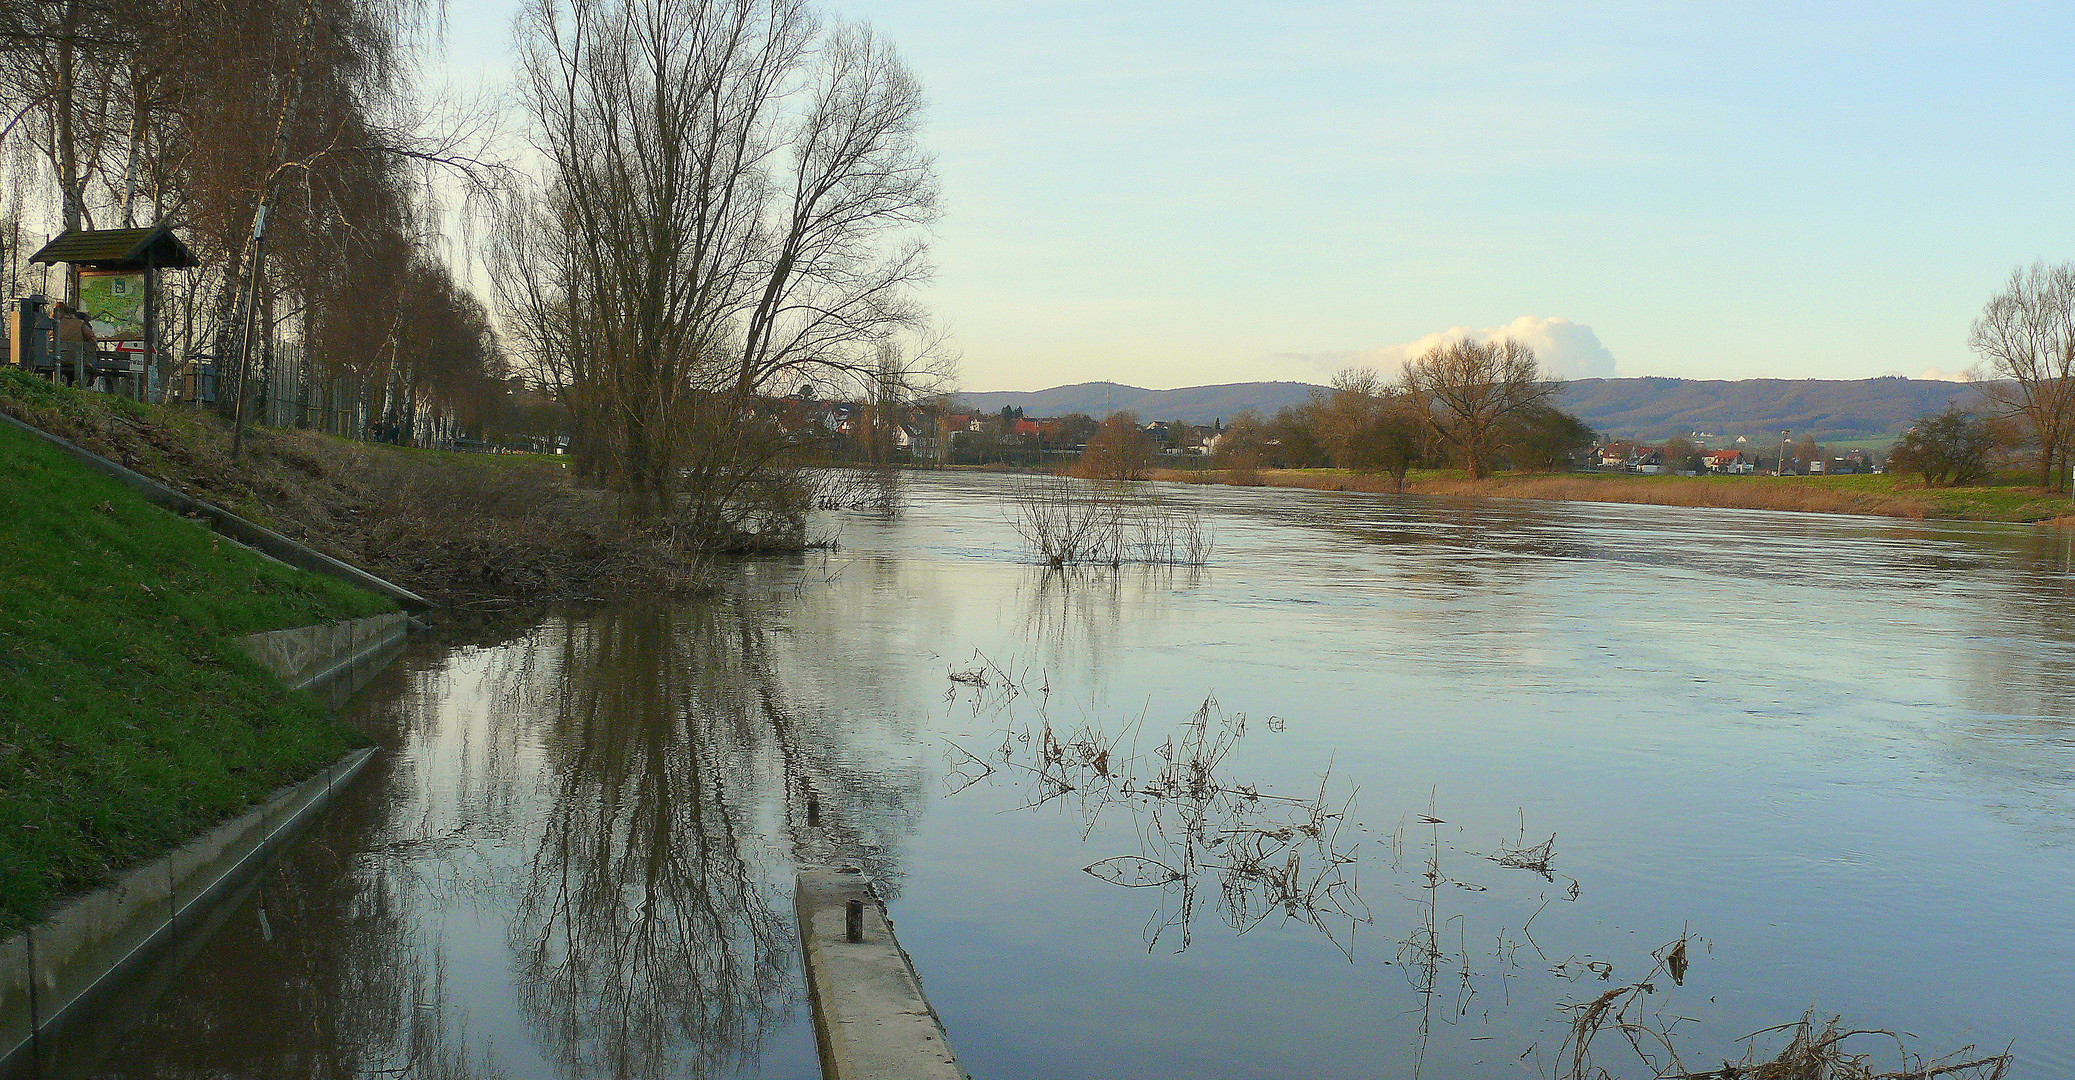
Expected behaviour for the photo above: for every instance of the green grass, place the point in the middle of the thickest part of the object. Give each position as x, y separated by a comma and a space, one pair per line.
129, 720
2008, 497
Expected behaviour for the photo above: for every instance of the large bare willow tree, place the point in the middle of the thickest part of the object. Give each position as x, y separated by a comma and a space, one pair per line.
731, 199
1468, 390
2027, 334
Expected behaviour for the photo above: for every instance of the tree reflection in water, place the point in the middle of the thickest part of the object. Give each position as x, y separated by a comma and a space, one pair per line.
647, 940
651, 933
317, 974
612, 795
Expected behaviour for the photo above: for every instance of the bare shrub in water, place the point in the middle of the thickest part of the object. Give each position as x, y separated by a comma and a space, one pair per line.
1069, 524
1814, 1051
868, 489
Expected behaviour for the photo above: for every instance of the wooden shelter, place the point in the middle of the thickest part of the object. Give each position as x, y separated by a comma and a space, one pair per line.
128, 250
116, 256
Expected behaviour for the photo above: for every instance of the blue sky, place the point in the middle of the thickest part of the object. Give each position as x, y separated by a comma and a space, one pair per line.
1179, 194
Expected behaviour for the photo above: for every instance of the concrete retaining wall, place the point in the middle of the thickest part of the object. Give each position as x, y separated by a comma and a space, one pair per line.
53, 972
869, 1013
304, 656
259, 538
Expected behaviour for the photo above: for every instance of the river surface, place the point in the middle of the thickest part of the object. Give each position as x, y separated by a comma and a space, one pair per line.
1281, 815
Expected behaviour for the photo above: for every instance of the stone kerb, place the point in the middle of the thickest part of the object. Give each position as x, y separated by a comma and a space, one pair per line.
870, 1017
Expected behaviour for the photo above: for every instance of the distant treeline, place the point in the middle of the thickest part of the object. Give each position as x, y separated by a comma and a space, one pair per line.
1648, 408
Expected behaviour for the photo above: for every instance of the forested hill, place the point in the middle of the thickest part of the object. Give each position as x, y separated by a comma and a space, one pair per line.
1825, 408
1629, 408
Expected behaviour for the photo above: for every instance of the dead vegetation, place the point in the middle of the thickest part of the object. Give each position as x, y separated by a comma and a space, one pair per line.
1069, 523
1814, 1050
866, 489
1269, 854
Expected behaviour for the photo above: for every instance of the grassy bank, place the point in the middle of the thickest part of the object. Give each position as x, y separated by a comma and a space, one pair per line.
129, 721
2007, 499
479, 531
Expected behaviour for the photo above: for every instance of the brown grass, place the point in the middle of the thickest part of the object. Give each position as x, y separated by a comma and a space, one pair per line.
1876, 495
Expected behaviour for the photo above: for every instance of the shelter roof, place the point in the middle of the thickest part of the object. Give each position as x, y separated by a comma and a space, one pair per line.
118, 249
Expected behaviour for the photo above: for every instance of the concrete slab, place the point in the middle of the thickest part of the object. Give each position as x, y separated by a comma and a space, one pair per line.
304, 656
870, 1016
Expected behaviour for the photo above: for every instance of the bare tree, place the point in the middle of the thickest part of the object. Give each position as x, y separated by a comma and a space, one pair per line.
729, 199
1466, 389
1952, 446
1368, 425
2027, 334
1119, 450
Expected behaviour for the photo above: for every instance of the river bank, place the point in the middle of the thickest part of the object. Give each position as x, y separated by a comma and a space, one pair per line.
473, 532
2009, 499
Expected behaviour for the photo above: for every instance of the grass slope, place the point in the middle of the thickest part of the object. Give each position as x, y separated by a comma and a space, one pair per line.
129, 721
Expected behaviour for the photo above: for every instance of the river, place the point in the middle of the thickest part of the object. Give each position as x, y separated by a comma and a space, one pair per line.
1378, 791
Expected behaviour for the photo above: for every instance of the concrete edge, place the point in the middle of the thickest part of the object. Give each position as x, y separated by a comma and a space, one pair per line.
257, 537
304, 656
871, 1019
53, 972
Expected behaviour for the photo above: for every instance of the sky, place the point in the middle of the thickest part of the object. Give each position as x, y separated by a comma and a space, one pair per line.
1178, 194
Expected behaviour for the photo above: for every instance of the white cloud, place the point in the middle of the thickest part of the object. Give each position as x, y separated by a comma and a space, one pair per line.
1947, 376
1566, 349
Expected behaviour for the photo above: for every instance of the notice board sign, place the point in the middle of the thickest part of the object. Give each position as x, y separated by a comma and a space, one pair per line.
114, 303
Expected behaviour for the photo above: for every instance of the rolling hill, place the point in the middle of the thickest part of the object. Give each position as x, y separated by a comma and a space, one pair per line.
1646, 408
1190, 404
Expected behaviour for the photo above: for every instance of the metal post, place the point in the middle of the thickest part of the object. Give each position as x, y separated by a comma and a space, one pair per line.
259, 258
854, 921
150, 324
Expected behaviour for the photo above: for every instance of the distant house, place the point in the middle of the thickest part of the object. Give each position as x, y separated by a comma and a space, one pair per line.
1041, 430
1852, 461
1731, 462
1619, 454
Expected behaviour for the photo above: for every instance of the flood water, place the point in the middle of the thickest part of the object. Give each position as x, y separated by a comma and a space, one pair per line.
1278, 816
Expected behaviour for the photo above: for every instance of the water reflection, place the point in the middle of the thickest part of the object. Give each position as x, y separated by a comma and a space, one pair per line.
327, 939
575, 859
1267, 852
646, 940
